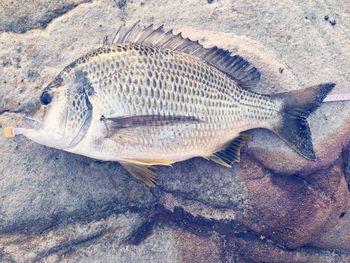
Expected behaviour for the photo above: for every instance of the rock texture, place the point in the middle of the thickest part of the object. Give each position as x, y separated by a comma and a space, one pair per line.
272, 207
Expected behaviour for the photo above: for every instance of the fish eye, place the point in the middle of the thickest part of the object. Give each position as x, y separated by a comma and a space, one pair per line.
45, 98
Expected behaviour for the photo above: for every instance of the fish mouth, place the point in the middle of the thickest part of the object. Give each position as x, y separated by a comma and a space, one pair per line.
32, 123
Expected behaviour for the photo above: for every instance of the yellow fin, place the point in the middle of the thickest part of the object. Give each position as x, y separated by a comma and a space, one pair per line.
141, 172
231, 153
217, 160
151, 161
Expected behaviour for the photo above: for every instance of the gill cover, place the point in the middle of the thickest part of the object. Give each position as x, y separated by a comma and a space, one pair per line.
79, 108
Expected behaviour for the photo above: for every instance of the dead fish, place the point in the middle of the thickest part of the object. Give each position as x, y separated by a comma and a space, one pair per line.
154, 98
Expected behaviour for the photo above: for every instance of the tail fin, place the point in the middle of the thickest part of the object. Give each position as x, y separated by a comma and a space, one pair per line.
296, 107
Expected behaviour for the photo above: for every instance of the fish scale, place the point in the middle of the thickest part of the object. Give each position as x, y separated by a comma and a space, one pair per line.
213, 94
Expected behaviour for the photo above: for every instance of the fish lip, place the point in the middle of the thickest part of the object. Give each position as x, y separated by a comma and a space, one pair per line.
32, 123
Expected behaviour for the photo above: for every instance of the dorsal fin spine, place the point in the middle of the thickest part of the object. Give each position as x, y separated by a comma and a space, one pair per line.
115, 38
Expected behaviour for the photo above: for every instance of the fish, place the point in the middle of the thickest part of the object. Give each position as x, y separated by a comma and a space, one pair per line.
150, 97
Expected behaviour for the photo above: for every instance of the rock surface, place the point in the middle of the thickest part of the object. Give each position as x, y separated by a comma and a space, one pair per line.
272, 207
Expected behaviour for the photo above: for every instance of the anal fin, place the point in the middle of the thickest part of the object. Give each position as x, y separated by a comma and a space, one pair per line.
141, 172
231, 153
147, 162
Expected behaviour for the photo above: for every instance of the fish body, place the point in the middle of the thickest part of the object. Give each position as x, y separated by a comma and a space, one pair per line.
145, 102
134, 80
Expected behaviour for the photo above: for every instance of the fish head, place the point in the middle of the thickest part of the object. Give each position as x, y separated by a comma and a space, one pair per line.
63, 115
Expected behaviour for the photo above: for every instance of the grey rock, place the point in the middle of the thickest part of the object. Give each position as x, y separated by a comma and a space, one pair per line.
41, 191
58, 243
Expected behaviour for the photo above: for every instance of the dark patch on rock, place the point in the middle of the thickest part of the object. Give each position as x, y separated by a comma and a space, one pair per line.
18, 62
55, 13
210, 1
33, 74
197, 225
34, 19
332, 22
347, 166
22, 89
6, 62
144, 231
121, 3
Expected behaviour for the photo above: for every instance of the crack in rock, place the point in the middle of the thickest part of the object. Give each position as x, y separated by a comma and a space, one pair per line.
69, 246
42, 224
195, 224
67, 238
347, 166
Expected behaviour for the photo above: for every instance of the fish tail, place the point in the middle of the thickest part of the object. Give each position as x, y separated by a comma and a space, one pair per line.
296, 107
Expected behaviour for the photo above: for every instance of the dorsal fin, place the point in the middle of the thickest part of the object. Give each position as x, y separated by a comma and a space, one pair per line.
239, 69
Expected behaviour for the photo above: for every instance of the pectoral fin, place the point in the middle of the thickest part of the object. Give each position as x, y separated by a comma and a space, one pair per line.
231, 153
141, 172
123, 122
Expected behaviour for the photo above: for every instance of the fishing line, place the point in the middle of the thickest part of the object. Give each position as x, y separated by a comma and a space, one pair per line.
337, 97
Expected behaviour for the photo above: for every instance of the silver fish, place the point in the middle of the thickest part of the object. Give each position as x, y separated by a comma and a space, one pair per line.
154, 98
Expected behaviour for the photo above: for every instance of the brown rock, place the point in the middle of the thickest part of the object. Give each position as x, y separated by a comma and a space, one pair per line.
243, 250
293, 211
194, 248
